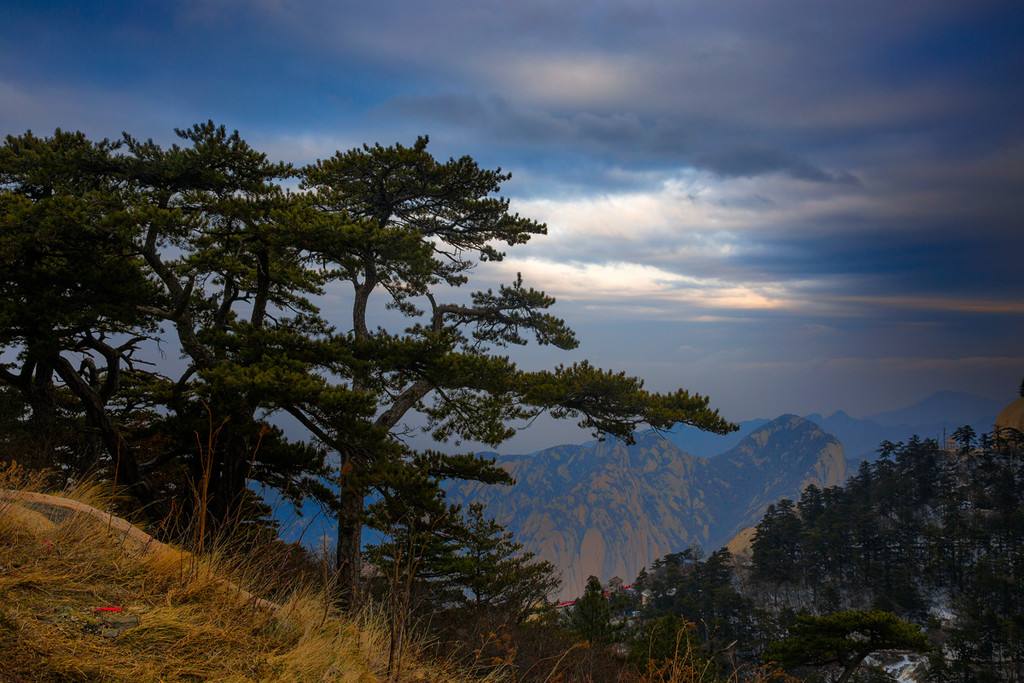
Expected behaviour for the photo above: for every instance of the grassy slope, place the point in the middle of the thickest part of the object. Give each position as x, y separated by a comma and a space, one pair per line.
181, 619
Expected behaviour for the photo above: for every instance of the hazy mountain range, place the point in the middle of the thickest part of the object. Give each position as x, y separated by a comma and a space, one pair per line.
939, 414
605, 508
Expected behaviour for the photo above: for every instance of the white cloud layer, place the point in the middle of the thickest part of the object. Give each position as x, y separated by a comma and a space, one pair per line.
616, 282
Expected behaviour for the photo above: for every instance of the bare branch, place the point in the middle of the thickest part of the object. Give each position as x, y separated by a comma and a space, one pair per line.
313, 427
405, 401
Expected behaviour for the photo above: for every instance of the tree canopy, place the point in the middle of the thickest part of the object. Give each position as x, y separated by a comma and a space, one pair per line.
181, 300
845, 639
591, 617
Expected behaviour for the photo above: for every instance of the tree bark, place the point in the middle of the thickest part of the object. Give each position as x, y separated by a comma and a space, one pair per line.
349, 552
34, 382
126, 467
351, 498
851, 667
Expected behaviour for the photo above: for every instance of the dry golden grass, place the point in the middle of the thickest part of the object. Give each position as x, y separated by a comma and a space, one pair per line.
689, 665
184, 618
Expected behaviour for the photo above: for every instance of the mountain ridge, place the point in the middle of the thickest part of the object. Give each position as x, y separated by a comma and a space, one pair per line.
594, 508
605, 508
933, 416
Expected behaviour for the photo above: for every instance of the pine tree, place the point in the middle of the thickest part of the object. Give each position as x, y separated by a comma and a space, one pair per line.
925, 523
466, 563
845, 639
202, 241
232, 255
71, 281
495, 572
776, 544
591, 617
964, 437
105, 241
407, 228
666, 638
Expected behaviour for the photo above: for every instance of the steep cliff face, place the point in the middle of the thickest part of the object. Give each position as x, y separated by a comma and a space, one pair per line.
607, 509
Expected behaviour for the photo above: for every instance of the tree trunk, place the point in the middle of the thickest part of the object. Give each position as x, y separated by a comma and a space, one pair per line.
349, 552
349, 558
126, 467
232, 452
43, 420
851, 667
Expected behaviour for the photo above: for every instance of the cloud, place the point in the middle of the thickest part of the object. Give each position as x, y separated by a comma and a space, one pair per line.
900, 364
753, 161
615, 282
938, 303
614, 137
772, 243
568, 80
842, 179
100, 112
740, 89
302, 148
690, 223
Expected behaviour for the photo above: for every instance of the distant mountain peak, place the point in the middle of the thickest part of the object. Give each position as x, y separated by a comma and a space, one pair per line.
762, 435
781, 437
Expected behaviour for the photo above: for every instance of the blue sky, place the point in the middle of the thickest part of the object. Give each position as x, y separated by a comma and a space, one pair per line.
793, 207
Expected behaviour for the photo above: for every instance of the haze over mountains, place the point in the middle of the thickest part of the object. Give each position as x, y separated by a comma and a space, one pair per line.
938, 414
606, 509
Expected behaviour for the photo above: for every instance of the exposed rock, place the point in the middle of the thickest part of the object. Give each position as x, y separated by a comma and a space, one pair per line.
741, 546
1012, 416
114, 625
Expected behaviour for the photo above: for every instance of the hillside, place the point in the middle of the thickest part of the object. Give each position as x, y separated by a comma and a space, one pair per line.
607, 509
930, 534
780, 459
85, 597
